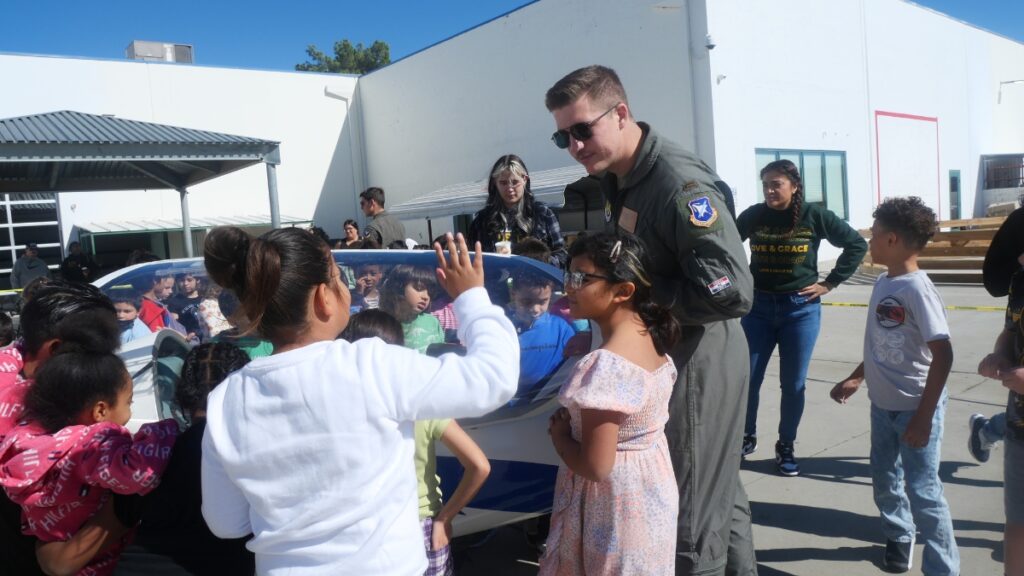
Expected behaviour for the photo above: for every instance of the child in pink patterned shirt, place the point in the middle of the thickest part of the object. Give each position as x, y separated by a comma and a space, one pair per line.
70, 449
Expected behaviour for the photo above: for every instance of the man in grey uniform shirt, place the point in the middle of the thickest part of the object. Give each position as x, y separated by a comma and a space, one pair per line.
383, 227
676, 204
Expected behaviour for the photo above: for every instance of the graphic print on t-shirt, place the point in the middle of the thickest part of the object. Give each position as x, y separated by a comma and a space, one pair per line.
890, 313
888, 346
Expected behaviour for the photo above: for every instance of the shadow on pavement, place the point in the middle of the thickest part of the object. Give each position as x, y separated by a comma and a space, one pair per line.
824, 522
845, 470
499, 552
857, 470
763, 570
948, 470
996, 546
847, 554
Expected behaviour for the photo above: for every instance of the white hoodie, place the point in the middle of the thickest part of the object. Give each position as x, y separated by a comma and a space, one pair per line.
311, 450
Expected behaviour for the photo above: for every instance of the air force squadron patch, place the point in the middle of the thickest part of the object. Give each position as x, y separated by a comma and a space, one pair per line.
702, 213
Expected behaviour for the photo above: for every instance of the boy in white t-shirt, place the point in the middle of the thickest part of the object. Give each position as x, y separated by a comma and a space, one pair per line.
907, 357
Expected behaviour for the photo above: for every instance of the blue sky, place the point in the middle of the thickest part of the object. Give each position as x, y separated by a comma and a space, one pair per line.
268, 34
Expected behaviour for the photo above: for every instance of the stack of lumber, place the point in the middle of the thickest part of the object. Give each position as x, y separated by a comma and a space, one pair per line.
956, 252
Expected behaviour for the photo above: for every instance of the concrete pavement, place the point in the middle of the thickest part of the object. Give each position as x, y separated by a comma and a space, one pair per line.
825, 521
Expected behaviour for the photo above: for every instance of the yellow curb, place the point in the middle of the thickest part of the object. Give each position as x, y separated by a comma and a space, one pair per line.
972, 308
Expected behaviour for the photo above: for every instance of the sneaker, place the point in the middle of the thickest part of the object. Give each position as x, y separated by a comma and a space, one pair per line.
749, 445
899, 556
785, 461
976, 445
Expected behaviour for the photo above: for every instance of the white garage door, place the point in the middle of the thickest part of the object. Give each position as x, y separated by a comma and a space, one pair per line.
907, 158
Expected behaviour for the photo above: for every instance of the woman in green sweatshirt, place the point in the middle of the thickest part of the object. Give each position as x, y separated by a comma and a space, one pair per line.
784, 234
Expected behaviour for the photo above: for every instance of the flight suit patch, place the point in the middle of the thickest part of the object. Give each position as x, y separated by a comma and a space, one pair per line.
719, 285
702, 213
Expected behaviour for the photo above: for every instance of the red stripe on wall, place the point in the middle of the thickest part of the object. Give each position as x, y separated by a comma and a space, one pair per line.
878, 153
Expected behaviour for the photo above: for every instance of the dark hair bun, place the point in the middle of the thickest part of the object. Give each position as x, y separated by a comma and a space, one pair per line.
226, 251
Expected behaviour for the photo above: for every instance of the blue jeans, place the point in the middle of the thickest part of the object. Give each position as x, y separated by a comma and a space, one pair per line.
908, 491
994, 429
792, 322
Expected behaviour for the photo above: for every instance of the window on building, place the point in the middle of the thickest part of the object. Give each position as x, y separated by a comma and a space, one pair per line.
28, 218
823, 173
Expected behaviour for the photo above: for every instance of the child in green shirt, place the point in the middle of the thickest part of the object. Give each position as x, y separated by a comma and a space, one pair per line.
405, 295
435, 517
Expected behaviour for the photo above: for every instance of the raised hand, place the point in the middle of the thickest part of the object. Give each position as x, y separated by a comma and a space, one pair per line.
457, 273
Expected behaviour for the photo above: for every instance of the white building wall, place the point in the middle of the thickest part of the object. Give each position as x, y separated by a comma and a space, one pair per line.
789, 75
444, 115
804, 74
315, 176
793, 74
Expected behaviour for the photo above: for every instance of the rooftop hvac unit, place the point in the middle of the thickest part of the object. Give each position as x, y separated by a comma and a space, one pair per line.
159, 52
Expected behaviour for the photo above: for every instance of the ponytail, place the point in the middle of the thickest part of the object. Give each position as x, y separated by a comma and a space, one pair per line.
263, 271
661, 325
272, 275
225, 254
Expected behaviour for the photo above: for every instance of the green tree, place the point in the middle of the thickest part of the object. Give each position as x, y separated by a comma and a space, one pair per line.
347, 58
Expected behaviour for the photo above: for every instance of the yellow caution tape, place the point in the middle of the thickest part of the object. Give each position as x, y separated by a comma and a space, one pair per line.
970, 308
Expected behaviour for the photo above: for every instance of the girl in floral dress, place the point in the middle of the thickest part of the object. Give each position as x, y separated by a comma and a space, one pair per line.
616, 499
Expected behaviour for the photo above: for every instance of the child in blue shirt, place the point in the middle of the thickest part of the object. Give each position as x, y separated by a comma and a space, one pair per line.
127, 303
542, 336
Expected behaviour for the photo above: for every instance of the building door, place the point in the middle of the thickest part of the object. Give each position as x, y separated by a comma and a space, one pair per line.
954, 194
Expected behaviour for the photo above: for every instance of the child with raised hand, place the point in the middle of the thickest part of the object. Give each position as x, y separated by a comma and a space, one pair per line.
309, 449
405, 294
907, 357
75, 413
616, 499
435, 519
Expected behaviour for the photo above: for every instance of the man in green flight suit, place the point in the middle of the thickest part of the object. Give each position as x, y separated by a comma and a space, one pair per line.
684, 214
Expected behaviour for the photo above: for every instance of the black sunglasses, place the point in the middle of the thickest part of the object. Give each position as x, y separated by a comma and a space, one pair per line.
576, 280
580, 131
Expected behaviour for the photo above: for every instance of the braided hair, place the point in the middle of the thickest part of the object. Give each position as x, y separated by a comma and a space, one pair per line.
790, 171
206, 366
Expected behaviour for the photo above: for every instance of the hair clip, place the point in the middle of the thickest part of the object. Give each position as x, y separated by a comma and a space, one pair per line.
613, 256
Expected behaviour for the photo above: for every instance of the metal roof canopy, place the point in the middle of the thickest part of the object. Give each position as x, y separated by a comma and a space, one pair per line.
169, 224
70, 151
469, 197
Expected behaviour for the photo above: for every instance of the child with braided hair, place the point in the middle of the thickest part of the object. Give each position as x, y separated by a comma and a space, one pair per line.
172, 528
